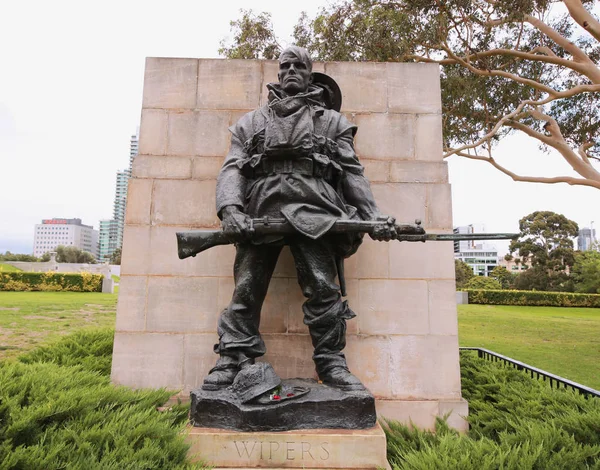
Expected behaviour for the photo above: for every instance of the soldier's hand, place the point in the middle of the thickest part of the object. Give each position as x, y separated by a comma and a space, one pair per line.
385, 231
235, 221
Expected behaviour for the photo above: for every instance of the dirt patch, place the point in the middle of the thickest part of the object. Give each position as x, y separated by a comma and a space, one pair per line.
14, 309
95, 305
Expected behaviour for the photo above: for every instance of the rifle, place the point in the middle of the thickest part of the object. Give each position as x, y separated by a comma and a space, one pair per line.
196, 241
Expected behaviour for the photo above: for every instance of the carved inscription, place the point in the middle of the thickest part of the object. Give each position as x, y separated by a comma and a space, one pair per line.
289, 450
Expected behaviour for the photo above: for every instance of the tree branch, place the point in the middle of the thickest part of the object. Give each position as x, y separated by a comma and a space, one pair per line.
583, 17
501, 73
557, 142
569, 46
517, 114
533, 179
583, 151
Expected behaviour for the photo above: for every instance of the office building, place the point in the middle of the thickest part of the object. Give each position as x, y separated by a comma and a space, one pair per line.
67, 232
481, 257
586, 239
111, 230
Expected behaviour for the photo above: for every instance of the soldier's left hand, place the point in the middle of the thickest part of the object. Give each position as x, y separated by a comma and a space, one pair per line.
385, 231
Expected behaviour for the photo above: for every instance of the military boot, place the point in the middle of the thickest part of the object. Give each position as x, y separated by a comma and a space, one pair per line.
339, 376
222, 374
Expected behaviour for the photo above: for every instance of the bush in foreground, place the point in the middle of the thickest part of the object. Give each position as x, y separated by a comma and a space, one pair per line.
58, 410
516, 423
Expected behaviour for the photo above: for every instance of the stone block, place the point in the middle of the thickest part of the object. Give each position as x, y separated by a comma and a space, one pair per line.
428, 136
404, 201
290, 355
416, 260
393, 307
198, 358
309, 449
274, 313
376, 171
458, 411
170, 83
285, 264
148, 360
153, 132
131, 308
182, 304
424, 367
407, 171
417, 413
363, 85
370, 262
108, 286
153, 166
177, 202
206, 168
369, 359
442, 307
228, 84
439, 206
139, 199
136, 248
385, 136
413, 88
202, 133
217, 261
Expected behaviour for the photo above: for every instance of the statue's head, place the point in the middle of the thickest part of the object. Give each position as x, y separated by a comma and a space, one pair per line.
295, 70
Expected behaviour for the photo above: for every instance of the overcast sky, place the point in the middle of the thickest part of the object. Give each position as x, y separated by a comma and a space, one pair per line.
71, 76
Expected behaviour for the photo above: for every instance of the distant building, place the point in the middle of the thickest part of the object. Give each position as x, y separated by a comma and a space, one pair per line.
586, 239
481, 257
513, 266
68, 232
111, 230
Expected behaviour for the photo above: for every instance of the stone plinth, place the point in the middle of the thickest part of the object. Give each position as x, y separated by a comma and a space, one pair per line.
310, 449
403, 345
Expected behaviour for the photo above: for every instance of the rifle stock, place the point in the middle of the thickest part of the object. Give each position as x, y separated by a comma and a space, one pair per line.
196, 241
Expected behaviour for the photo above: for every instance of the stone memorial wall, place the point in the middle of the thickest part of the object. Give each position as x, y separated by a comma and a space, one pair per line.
403, 344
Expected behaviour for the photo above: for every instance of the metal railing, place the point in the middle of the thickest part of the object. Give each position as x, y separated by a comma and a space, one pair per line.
554, 380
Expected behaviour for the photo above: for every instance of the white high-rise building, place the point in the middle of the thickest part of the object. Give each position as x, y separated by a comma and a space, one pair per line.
481, 257
67, 232
111, 230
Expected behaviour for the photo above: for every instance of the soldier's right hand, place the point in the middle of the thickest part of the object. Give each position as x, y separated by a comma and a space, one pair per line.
235, 221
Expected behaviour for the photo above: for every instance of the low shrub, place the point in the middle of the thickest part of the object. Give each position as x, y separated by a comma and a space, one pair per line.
88, 349
51, 282
59, 410
532, 298
516, 423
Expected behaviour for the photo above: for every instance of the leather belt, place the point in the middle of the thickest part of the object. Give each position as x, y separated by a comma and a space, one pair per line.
301, 166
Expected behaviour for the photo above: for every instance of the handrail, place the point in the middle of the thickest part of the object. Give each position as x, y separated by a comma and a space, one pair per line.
495, 357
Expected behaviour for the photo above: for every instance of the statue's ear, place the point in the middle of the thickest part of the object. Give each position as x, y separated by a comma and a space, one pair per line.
310, 79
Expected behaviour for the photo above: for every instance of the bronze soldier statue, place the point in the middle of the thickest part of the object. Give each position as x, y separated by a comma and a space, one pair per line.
294, 159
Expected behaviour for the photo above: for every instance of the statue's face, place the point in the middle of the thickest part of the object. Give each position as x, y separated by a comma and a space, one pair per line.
294, 76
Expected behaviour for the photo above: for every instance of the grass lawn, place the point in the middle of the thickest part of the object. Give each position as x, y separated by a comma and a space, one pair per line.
564, 341
28, 319
8, 268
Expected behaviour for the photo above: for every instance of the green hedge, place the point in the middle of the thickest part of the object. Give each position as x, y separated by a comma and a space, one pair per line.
51, 282
529, 298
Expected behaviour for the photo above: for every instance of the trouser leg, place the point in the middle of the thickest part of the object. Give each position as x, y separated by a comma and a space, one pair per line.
324, 311
238, 326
